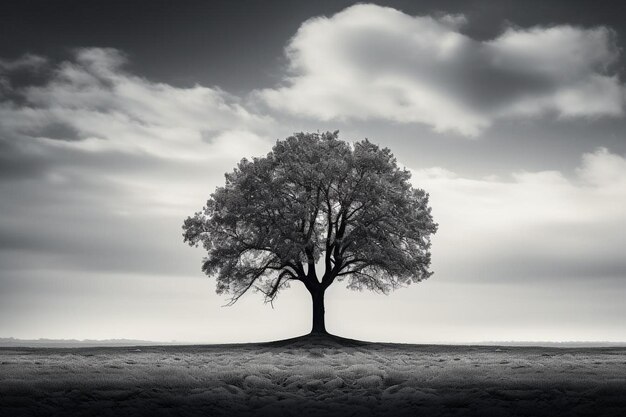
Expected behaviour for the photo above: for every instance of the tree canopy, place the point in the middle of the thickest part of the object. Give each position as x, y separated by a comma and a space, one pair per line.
315, 199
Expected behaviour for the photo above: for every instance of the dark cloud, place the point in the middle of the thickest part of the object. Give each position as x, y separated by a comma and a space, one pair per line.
16, 164
58, 131
468, 74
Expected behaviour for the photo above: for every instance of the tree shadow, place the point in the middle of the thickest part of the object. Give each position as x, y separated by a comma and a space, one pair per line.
316, 340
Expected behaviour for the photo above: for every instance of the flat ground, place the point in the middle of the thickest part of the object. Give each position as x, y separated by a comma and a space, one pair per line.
314, 377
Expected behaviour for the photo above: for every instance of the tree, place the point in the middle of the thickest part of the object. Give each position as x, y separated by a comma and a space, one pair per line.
315, 198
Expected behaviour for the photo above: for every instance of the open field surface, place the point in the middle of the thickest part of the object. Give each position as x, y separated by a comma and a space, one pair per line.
313, 377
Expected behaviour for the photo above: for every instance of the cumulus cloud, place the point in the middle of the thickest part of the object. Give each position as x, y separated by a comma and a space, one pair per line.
372, 62
92, 103
534, 225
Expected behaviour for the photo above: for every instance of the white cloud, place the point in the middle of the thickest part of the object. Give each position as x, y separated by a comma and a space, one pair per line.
604, 170
536, 224
108, 109
97, 160
27, 61
372, 62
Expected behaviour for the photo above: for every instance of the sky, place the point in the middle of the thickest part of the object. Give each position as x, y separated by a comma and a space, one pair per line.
118, 120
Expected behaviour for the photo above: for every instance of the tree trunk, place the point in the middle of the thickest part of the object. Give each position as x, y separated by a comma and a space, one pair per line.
319, 326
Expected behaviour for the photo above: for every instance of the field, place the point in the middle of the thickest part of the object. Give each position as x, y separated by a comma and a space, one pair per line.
313, 376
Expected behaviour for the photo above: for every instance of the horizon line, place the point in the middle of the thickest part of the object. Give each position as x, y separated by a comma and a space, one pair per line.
14, 342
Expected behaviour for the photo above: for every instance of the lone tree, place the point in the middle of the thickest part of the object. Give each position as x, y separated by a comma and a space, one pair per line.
315, 198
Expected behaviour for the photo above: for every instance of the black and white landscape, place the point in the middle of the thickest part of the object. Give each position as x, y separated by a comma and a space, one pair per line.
433, 192
314, 376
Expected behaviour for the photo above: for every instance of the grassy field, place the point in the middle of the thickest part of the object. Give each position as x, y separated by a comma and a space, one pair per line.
313, 376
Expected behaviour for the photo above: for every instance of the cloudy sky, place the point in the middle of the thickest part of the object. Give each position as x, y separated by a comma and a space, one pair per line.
118, 119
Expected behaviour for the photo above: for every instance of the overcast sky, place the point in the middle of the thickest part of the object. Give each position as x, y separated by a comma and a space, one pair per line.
118, 119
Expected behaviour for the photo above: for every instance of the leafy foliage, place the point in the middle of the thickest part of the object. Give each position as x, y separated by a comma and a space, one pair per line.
315, 198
